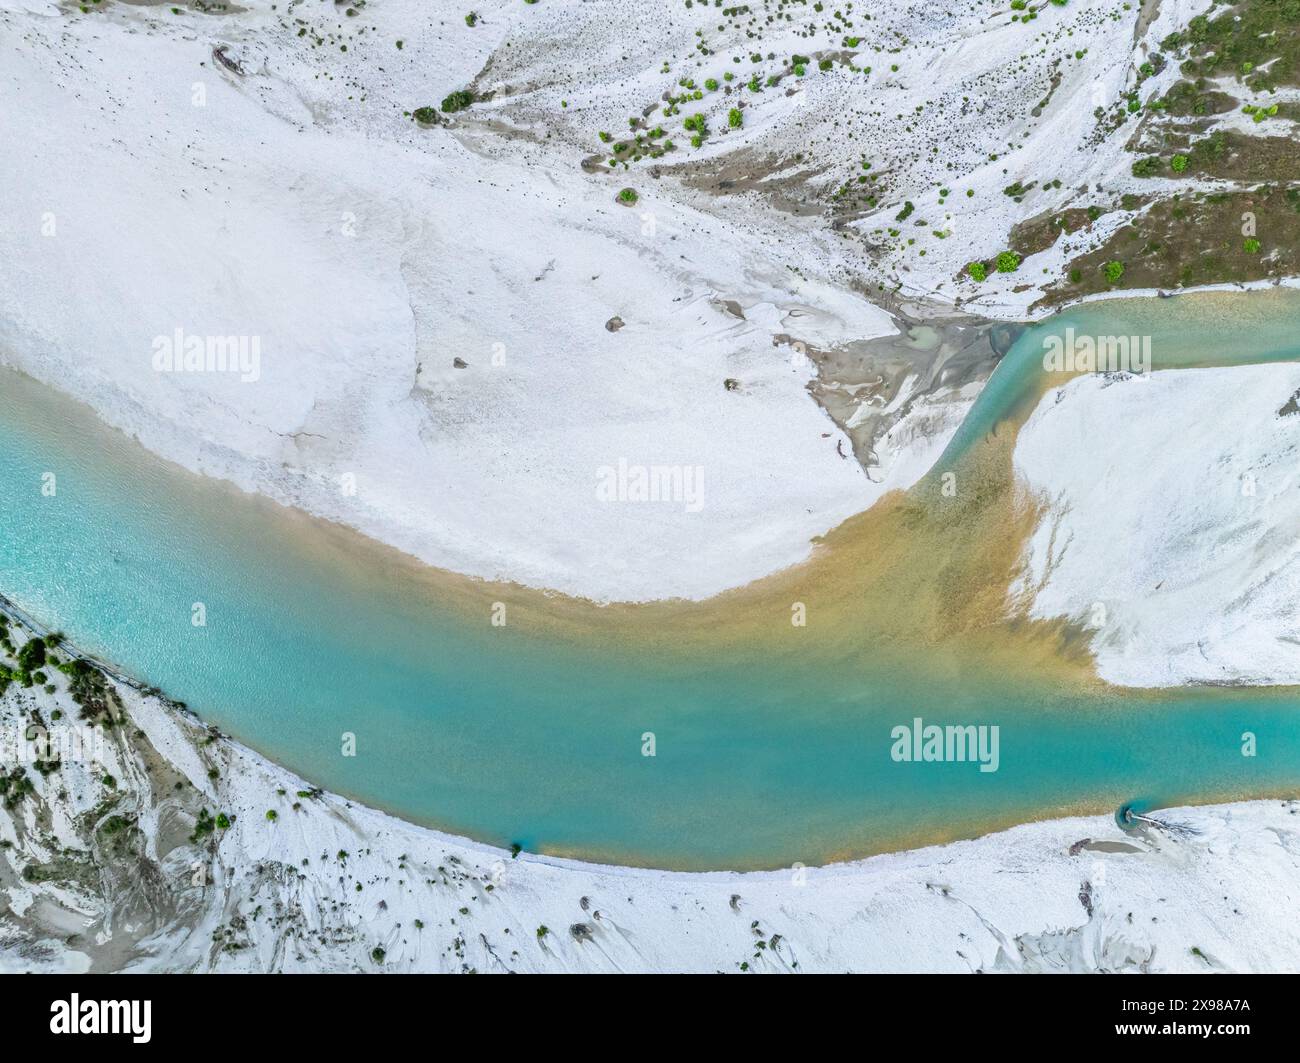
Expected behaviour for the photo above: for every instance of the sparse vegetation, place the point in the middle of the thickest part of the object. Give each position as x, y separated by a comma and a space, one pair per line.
457, 101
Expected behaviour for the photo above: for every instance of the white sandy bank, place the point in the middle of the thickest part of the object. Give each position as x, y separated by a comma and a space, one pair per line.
366, 256
328, 882
1172, 528
297, 203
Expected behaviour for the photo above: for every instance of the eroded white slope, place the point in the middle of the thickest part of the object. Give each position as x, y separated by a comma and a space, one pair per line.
365, 255
947, 105
298, 203
1173, 520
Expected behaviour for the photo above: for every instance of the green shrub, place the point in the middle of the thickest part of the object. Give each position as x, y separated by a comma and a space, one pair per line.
1007, 262
32, 655
457, 101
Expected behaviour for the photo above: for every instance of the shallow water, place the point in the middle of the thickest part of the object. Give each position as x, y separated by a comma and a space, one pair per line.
772, 743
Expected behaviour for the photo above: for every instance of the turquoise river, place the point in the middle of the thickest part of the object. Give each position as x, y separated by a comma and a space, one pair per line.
521, 735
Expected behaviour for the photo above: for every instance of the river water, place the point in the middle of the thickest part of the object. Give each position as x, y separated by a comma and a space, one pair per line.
772, 743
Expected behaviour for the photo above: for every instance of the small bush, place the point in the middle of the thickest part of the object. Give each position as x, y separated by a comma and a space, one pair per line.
457, 101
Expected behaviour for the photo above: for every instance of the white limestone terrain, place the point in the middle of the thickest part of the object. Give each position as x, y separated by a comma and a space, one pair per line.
458, 325
457, 320
1175, 546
